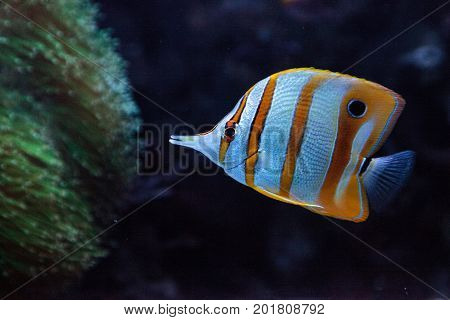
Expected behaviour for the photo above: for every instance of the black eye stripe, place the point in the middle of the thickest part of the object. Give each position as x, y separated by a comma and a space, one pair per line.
230, 132
356, 108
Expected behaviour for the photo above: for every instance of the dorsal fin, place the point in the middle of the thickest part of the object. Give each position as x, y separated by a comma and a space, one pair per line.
385, 176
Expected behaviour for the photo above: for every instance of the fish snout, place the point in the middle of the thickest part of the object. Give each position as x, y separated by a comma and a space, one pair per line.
185, 141
205, 144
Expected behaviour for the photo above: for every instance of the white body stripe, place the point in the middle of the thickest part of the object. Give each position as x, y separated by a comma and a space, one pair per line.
237, 152
276, 132
358, 144
319, 140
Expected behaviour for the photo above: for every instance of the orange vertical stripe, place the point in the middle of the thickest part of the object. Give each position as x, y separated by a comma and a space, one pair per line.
256, 130
347, 207
297, 132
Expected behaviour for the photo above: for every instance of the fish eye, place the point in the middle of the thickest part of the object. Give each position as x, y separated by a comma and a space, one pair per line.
229, 133
356, 108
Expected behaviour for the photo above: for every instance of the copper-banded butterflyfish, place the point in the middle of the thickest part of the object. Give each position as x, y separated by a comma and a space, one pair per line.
307, 137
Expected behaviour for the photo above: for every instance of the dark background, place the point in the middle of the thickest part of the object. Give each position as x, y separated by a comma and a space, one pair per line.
210, 237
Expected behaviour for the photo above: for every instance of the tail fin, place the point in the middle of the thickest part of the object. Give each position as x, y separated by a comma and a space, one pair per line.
385, 176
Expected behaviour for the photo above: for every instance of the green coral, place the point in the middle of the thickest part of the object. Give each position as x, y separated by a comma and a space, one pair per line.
67, 123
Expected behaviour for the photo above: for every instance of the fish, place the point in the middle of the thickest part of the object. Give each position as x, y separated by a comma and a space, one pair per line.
307, 137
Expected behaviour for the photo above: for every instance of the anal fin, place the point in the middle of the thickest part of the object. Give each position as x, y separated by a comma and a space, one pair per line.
290, 200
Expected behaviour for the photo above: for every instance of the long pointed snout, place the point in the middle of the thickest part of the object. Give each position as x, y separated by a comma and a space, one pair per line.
192, 142
208, 144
